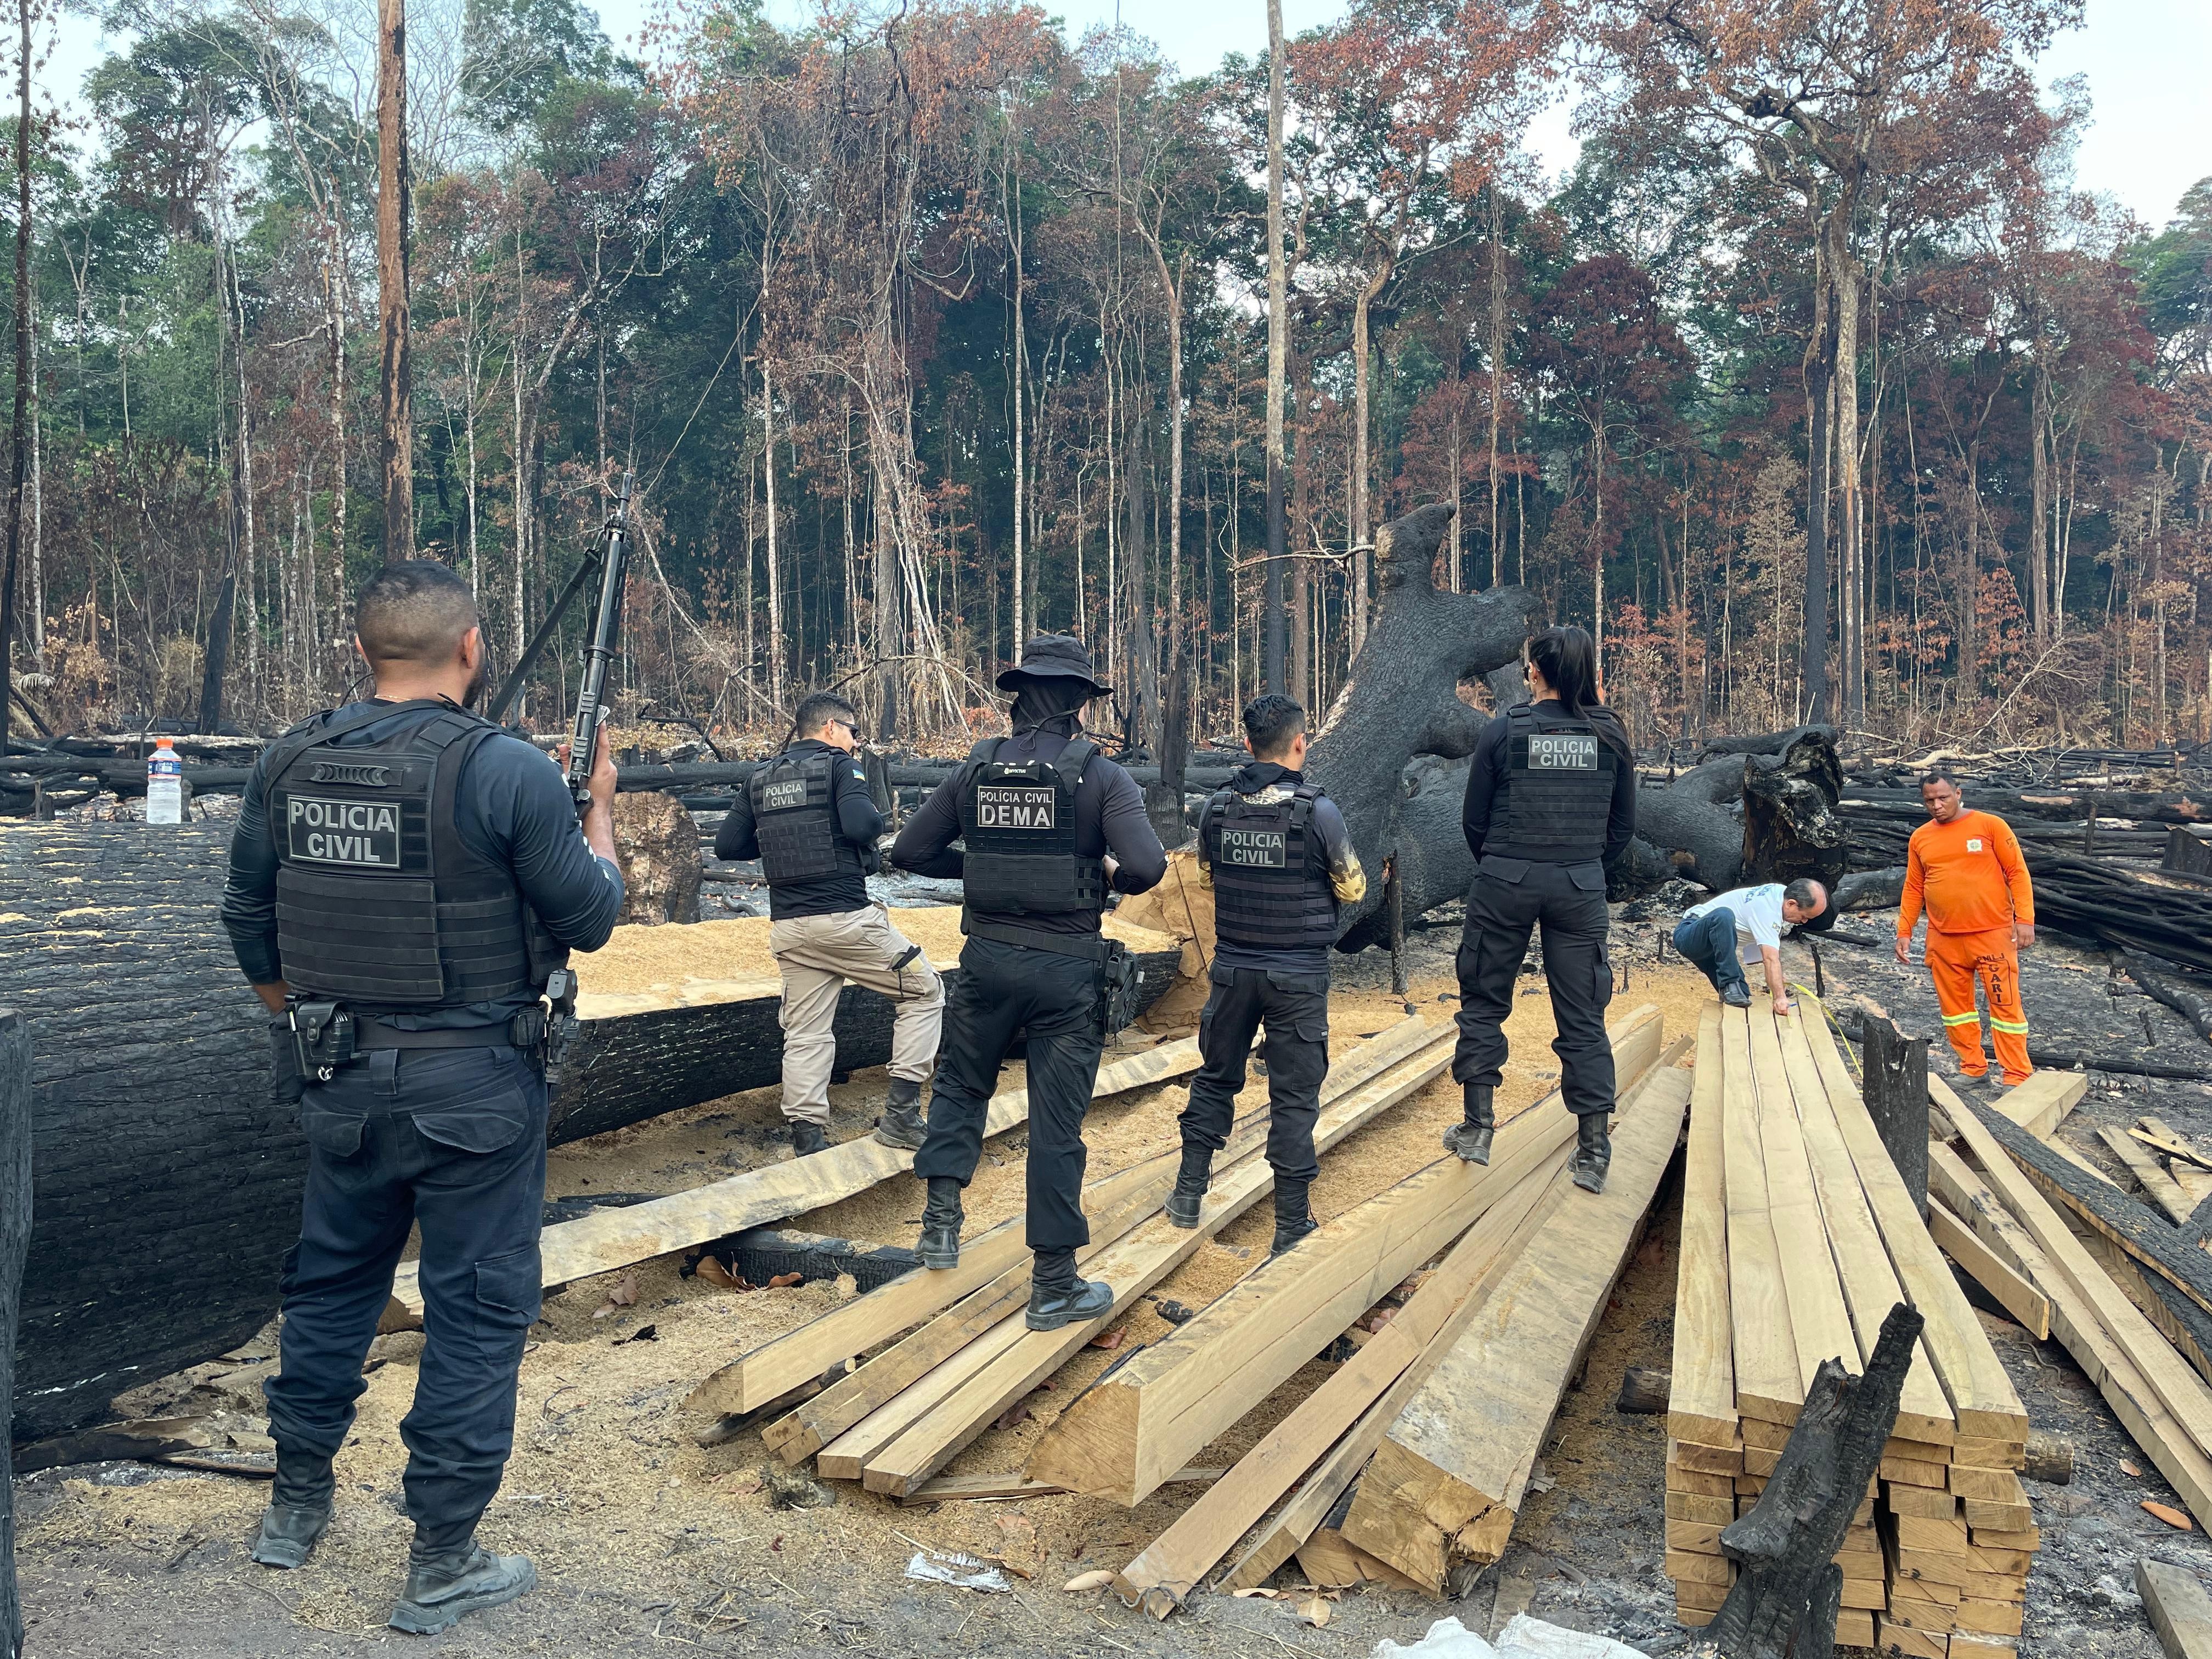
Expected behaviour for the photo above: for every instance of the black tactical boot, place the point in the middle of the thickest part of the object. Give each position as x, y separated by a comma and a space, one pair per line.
1736, 993
441, 1587
1293, 1220
1191, 1183
1057, 1298
1470, 1138
299, 1508
806, 1138
1593, 1151
940, 1224
901, 1124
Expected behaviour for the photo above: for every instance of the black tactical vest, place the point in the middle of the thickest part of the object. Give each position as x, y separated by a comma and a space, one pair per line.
1271, 882
795, 816
1017, 819
378, 900
1557, 792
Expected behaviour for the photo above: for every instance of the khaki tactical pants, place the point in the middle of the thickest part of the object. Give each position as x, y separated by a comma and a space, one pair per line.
819, 955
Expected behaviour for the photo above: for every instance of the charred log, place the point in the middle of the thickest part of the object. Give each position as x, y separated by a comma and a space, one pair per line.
15, 1236
1784, 1600
1392, 751
150, 1099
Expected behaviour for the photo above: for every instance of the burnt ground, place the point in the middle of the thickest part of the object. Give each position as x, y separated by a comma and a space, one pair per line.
640, 1551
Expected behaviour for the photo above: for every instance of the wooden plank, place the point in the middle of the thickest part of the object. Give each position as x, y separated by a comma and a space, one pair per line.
1310, 1506
2179, 1256
1982, 1396
1701, 1401
998, 1259
2074, 1321
2160, 1135
1179, 1393
609, 1238
1329, 1561
2027, 1305
1859, 1260
2180, 1611
1449, 1477
985, 1488
2182, 1392
1173, 1564
1131, 1267
2040, 1104
1765, 1351
845, 1457
2159, 1188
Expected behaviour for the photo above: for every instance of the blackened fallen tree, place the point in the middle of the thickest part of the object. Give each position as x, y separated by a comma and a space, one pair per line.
167, 1179
1785, 1599
15, 1236
1386, 752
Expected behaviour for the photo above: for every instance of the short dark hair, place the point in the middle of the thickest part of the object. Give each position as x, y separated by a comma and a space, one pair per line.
416, 611
1270, 722
1937, 774
1803, 891
816, 709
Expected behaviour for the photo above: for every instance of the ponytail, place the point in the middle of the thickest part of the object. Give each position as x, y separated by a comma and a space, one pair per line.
1568, 659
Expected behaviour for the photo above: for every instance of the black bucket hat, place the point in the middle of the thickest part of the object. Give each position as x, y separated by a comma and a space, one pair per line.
1054, 657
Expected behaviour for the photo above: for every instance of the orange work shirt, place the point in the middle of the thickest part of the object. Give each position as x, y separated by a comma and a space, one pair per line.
1967, 874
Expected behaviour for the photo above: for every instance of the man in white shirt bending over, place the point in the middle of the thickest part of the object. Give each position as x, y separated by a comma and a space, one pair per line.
1725, 935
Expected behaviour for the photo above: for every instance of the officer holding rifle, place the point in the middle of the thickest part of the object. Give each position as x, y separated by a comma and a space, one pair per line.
405, 880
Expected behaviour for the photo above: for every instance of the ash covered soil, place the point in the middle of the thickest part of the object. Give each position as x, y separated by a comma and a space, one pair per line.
646, 1542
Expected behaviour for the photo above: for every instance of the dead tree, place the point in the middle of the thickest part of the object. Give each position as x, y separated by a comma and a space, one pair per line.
1382, 753
1788, 1588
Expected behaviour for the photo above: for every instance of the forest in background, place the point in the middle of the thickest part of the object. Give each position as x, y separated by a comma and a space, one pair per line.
1814, 388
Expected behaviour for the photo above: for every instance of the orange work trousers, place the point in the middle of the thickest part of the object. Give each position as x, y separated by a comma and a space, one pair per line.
1957, 960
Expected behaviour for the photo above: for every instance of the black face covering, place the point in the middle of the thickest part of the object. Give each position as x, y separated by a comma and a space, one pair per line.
1055, 704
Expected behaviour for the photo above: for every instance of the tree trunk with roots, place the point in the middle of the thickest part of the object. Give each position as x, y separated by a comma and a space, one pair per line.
1386, 752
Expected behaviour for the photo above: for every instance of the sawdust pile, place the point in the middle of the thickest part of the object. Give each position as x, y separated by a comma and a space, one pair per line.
642, 967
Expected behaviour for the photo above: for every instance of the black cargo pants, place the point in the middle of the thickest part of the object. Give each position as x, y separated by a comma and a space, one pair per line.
1002, 988
454, 1139
1509, 898
1294, 1009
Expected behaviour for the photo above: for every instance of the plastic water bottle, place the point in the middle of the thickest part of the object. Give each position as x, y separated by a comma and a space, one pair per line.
165, 784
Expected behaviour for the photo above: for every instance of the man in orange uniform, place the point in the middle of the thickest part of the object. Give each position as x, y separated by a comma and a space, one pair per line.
1966, 868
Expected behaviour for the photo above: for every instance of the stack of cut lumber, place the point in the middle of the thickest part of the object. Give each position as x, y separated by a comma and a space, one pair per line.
2127, 1293
1512, 1303
1524, 1264
1797, 1238
967, 1355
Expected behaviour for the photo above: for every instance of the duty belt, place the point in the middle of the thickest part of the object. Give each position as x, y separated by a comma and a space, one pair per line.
1089, 947
327, 1034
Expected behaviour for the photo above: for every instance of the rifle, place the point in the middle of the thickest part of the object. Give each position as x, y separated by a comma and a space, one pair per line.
599, 652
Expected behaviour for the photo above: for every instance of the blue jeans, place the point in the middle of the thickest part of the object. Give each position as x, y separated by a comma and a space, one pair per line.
454, 1139
1709, 943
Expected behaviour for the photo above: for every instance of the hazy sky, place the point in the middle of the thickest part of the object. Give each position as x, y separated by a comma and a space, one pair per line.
2144, 61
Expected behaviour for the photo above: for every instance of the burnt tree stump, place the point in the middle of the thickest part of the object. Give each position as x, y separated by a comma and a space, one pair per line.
1895, 1090
1793, 824
1789, 1589
15, 1239
1401, 704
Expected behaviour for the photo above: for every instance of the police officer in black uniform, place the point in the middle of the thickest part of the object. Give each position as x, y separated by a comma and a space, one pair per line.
1550, 799
1050, 826
1275, 851
404, 879
808, 818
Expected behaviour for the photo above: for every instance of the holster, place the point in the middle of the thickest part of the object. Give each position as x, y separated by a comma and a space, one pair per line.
1117, 987
559, 1024
322, 1038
